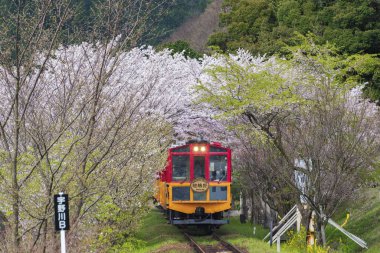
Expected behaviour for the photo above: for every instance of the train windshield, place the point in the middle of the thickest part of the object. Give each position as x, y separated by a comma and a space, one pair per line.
199, 166
181, 168
218, 168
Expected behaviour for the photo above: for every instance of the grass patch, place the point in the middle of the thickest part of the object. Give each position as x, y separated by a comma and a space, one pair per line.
205, 240
364, 222
242, 236
160, 236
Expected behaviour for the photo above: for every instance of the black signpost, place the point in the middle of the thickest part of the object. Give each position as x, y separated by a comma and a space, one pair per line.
61, 214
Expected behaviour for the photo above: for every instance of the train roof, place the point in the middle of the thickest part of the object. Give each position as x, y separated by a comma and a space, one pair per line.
196, 141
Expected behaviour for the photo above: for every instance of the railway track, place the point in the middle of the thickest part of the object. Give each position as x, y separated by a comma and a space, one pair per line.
221, 247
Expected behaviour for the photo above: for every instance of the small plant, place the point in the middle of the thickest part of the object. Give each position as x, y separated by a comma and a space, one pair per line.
297, 241
130, 245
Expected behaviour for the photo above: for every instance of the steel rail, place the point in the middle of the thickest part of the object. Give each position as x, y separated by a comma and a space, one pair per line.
228, 245
197, 248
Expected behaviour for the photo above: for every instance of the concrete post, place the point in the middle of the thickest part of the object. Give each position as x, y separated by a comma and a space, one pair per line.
299, 219
271, 233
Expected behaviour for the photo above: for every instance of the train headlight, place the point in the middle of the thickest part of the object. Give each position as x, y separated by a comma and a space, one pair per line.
203, 149
196, 148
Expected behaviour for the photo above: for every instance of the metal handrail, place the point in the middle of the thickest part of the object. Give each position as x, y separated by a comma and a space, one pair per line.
294, 208
353, 237
284, 228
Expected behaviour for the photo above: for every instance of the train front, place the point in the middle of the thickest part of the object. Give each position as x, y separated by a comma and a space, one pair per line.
195, 187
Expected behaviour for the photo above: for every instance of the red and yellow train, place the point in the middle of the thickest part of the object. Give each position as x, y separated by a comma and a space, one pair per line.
195, 186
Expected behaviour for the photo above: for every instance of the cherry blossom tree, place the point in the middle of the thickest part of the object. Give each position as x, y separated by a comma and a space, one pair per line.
54, 106
299, 109
85, 125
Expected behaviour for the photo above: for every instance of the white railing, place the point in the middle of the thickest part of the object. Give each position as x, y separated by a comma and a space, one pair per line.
292, 217
285, 223
353, 237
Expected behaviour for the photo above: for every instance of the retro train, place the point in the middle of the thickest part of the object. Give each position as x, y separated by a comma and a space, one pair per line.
195, 186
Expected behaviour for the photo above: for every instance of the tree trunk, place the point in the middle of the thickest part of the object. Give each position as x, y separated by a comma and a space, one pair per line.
311, 229
322, 226
323, 234
243, 207
252, 207
269, 217
44, 236
15, 186
15, 206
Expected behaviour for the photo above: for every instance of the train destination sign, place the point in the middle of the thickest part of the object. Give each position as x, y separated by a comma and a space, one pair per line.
199, 185
61, 208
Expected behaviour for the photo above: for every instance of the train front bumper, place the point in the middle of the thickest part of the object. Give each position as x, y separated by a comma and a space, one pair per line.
199, 222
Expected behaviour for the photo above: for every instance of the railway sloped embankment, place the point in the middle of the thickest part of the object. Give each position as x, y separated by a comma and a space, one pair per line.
159, 236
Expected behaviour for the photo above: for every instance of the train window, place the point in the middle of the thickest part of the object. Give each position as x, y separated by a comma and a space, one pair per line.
181, 167
218, 168
199, 166
181, 149
216, 149
181, 193
199, 196
218, 193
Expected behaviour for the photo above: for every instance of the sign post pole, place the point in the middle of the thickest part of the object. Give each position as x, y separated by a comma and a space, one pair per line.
61, 213
63, 241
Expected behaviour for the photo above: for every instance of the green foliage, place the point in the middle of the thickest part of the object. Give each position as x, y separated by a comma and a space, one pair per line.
118, 224
86, 17
364, 222
297, 242
235, 189
266, 26
366, 68
246, 23
182, 47
244, 89
353, 69
130, 245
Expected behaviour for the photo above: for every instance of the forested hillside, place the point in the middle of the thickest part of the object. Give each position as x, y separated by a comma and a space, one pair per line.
162, 19
197, 29
266, 26
269, 27
176, 13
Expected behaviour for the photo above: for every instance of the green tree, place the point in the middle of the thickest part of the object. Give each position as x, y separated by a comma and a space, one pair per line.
246, 22
300, 109
365, 69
